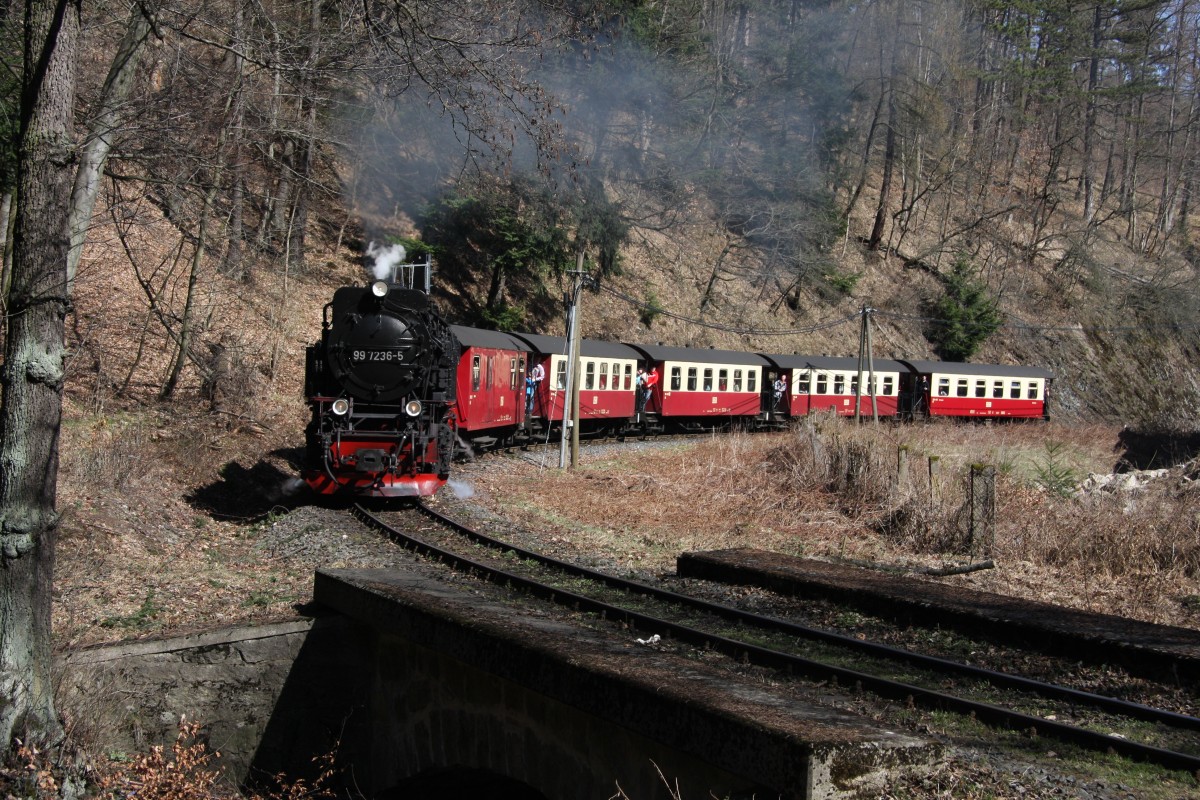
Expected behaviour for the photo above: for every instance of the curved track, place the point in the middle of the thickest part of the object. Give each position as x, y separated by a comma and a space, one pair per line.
990, 714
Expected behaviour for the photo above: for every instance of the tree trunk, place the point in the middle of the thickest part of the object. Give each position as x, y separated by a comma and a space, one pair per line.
6, 210
102, 130
186, 323
865, 167
1089, 120
496, 291
714, 276
32, 375
233, 263
281, 211
298, 222
885, 185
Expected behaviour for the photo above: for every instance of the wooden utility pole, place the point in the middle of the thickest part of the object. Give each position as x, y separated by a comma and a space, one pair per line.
575, 368
571, 401
866, 365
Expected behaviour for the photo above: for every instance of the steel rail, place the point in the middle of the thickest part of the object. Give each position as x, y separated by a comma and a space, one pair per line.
999, 679
762, 656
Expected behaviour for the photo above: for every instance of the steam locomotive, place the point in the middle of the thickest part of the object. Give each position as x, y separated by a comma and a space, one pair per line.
380, 385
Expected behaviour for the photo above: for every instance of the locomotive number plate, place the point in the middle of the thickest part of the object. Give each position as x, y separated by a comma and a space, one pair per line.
376, 355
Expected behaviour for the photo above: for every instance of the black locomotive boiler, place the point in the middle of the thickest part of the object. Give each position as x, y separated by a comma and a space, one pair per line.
381, 387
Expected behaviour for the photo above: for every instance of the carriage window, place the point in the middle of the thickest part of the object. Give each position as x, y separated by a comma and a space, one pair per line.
723, 380
589, 379
691, 379
803, 381
475, 374
854, 384
491, 372
603, 374
512, 373
560, 376
676, 379
520, 370
943, 387
1033, 391
839, 383
1014, 390
708, 384
752, 381
889, 385
963, 389
822, 383
981, 388
737, 380
628, 376
997, 388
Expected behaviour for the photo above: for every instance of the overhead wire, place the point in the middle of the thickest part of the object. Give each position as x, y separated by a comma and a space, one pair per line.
1026, 326
654, 308
660, 311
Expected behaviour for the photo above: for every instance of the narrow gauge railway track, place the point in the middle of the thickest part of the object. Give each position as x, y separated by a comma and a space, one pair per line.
987, 713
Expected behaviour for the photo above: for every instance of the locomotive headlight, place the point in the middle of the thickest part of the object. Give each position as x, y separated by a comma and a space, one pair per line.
379, 288
340, 406
413, 408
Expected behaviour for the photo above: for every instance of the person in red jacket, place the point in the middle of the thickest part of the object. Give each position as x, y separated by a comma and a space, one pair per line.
649, 384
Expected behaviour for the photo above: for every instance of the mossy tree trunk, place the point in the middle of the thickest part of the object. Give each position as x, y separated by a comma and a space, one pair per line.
32, 376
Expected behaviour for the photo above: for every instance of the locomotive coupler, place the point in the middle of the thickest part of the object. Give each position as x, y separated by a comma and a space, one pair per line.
372, 460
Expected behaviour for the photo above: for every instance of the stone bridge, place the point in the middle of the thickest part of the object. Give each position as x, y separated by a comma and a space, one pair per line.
426, 687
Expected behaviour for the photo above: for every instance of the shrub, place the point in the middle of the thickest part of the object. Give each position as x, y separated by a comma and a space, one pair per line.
650, 309
190, 772
844, 282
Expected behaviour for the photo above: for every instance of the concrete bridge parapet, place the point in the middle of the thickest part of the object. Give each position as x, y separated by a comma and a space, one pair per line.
461, 681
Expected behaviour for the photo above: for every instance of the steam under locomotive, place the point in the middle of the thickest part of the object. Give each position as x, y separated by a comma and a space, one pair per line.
381, 387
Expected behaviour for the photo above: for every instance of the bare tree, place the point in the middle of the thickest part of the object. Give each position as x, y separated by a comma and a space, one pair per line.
104, 127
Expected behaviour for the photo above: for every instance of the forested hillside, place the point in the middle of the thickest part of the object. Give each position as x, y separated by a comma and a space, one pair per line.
740, 174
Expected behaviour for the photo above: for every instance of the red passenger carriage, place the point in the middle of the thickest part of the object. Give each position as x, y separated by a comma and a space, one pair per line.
606, 383
491, 384
697, 387
948, 389
831, 384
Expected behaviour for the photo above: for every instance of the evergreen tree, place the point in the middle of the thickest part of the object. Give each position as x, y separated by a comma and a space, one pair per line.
966, 315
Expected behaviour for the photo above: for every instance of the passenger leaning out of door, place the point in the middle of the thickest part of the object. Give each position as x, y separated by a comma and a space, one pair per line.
648, 385
535, 376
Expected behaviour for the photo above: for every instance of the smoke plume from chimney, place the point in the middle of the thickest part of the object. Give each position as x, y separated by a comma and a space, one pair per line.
386, 257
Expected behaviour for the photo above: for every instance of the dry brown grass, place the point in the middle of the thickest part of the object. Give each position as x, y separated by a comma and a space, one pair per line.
830, 489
